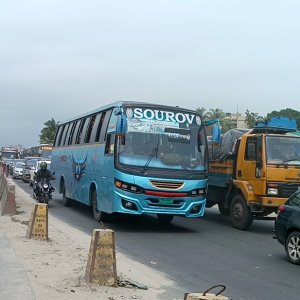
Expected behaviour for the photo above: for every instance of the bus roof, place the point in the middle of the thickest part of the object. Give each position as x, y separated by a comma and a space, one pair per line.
126, 103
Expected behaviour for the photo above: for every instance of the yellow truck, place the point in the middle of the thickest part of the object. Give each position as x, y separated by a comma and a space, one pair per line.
257, 175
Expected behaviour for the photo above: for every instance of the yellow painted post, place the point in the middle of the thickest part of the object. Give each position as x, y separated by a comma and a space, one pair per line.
38, 224
206, 295
101, 265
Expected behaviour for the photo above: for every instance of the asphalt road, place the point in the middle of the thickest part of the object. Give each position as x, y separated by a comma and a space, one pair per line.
199, 253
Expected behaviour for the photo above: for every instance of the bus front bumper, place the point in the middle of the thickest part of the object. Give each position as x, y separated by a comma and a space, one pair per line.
190, 207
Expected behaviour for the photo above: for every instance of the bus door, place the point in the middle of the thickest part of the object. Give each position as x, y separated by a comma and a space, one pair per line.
105, 194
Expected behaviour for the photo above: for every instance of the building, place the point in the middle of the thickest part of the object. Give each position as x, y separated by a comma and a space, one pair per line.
237, 120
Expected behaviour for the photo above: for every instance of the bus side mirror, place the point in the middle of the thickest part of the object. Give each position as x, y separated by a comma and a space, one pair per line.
216, 134
121, 127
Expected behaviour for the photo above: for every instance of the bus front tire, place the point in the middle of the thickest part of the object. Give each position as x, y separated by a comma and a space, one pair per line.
240, 214
164, 219
97, 213
66, 201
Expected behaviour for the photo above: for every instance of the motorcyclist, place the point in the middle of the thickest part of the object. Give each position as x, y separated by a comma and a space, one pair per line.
42, 173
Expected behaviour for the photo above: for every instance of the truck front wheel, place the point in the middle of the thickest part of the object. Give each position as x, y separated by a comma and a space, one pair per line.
240, 214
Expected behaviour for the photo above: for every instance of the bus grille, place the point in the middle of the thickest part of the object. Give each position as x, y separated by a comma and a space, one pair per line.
287, 189
173, 203
170, 185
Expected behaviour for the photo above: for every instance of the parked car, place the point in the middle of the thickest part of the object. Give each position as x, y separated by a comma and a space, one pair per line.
35, 168
287, 227
18, 170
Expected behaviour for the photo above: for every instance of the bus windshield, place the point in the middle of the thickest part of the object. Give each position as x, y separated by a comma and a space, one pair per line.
163, 145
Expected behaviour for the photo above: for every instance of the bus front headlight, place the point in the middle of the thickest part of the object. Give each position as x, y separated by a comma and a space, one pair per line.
127, 186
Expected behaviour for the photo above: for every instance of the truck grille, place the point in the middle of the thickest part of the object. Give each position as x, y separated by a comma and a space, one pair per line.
287, 189
170, 185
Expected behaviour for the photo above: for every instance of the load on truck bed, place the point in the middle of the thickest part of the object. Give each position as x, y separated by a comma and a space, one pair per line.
253, 172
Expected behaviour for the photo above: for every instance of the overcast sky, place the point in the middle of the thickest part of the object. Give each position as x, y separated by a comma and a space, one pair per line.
59, 59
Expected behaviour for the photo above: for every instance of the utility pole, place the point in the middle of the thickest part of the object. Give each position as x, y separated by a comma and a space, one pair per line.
237, 115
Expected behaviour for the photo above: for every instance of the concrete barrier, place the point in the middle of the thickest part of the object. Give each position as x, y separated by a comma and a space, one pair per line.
38, 224
2, 184
101, 265
7, 196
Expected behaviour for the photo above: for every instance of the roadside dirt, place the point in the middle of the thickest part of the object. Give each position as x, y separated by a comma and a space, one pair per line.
56, 268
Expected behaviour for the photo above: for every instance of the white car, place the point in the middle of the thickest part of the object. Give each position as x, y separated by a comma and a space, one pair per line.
35, 168
18, 170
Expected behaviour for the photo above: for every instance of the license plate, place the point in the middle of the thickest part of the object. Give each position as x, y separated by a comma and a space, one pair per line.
166, 201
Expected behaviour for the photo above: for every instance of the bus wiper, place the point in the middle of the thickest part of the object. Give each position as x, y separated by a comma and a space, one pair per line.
153, 152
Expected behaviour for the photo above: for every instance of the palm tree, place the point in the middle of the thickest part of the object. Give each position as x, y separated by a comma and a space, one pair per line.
202, 112
48, 132
216, 113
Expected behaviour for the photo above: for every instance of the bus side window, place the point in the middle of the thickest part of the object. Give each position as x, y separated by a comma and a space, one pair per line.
89, 129
95, 128
63, 140
69, 133
110, 144
84, 130
58, 136
97, 138
75, 132
101, 126
104, 126
70, 138
79, 133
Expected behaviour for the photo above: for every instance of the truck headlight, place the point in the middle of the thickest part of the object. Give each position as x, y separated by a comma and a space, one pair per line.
272, 189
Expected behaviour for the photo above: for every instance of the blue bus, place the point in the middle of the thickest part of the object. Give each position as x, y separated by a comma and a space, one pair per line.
134, 158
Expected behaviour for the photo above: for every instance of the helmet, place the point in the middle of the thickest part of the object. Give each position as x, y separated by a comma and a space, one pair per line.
43, 165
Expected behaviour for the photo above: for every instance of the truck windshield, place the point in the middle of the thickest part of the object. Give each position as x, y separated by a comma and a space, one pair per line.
283, 150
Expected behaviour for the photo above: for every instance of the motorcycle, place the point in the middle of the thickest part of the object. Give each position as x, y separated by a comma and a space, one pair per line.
43, 190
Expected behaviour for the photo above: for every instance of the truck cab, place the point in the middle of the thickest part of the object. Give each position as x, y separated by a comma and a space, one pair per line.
259, 175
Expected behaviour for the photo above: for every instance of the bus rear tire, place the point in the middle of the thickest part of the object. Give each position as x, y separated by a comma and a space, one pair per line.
240, 214
164, 219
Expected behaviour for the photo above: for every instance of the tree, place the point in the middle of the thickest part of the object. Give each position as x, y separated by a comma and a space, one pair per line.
202, 112
216, 113
226, 125
252, 118
48, 132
